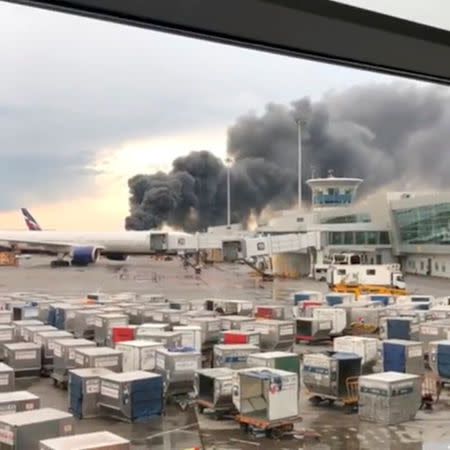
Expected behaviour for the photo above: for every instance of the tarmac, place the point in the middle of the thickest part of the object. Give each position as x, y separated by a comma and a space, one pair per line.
321, 428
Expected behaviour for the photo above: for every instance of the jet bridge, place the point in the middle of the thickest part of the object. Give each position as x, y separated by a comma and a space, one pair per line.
246, 248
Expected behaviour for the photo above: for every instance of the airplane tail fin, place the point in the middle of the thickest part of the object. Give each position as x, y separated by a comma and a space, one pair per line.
30, 221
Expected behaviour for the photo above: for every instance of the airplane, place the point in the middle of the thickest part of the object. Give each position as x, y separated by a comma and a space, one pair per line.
30, 221
85, 248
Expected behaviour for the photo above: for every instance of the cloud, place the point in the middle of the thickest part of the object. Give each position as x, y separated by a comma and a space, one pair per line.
74, 86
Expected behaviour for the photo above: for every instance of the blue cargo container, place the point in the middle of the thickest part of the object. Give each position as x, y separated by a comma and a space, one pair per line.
84, 391
439, 358
384, 299
403, 356
134, 396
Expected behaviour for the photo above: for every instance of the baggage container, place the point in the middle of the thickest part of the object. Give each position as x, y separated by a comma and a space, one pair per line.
170, 316
233, 356
275, 334
305, 309
180, 305
100, 440
152, 298
84, 323
337, 316
406, 328
365, 347
168, 339
241, 337
210, 329
384, 300
229, 307
25, 312
5, 317
19, 326
65, 316
29, 333
440, 313
274, 312
433, 331
64, 357
84, 391
439, 358
140, 314
18, 401
46, 340
233, 322
289, 362
123, 334
188, 316
24, 358
43, 309
149, 328
266, 395
309, 329
335, 298
389, 398
133, 396
104, 323
367, 316
403, 356
51, 312
303, 296
7, 378
191, 336
138, 355
24, 430
213, 389
177, 368
6, 337
99, 357
326, 374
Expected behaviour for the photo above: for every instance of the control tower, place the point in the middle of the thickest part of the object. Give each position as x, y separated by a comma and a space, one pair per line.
332, 192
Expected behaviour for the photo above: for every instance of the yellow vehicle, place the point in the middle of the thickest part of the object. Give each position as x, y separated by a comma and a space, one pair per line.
362, 289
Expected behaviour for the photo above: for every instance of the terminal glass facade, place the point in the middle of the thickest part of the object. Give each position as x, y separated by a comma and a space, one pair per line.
352, 218
358, 238
424, 225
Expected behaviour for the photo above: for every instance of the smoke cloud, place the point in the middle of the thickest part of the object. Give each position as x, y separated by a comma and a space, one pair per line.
383, 133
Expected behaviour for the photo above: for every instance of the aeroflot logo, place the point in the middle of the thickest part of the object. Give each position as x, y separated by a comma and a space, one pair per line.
181, 241
260, 246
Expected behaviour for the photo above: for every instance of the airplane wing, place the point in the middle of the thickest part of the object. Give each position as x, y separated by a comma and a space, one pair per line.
53, 247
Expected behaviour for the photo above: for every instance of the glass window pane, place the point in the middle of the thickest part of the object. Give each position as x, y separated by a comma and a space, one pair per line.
372, 237
360, 238
348, 237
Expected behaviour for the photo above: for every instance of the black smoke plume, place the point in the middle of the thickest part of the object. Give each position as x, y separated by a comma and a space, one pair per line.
384, 133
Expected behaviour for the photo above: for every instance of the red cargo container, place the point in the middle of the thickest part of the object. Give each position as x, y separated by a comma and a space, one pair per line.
241, 337
270, 312
121, 334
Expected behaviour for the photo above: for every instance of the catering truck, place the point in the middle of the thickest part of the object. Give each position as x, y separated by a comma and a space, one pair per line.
366, 279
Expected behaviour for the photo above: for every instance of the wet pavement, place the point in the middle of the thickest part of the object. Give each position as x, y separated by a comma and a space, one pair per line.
177, 429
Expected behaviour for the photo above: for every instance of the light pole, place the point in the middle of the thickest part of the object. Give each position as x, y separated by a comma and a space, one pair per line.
299, 121
228, 162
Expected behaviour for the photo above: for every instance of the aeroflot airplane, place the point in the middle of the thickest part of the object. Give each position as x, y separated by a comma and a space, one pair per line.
83, 248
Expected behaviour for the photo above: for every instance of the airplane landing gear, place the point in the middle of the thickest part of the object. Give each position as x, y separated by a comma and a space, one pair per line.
59, 263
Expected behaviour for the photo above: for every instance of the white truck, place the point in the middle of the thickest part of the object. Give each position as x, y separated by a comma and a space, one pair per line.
363, 279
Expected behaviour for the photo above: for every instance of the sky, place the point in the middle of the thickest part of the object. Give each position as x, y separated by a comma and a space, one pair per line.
85, 104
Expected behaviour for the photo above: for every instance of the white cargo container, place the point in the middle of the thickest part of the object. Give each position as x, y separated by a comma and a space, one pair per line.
265, 394
365, 347
275, 334
191, 336
213, 388
433, 331
234, 322
233, 356
439, 358
389, 398
138, 355
24, 430
100, 440
440, 313
337, 316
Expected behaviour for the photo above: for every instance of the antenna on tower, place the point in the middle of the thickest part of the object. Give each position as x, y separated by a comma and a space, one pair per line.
300, 122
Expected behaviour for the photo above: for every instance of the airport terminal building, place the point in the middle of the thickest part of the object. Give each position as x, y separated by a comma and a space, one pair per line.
406, 227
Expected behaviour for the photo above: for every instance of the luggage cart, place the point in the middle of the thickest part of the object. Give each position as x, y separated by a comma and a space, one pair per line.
349, 400
272, 429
